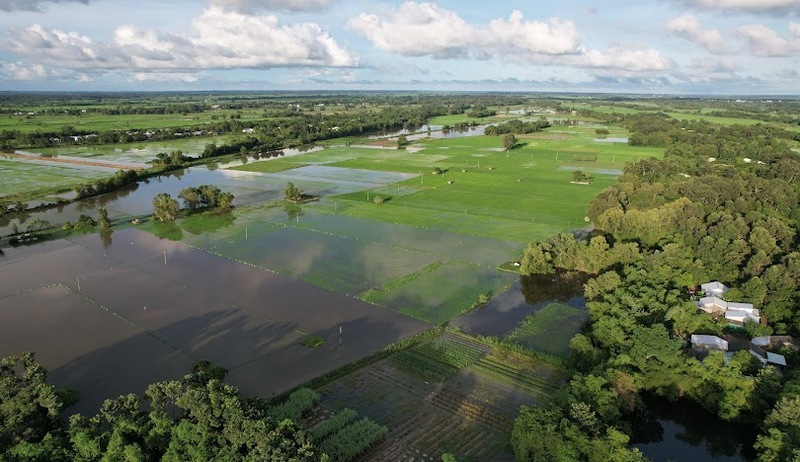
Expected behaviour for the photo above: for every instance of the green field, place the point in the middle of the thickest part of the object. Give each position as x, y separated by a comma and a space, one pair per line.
550, 329
140, 152
21, 177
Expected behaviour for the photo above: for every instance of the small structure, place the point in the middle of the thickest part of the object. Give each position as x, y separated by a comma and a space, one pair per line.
714, 289
713, 305
775, 359
739, 313
776, 341
708, 342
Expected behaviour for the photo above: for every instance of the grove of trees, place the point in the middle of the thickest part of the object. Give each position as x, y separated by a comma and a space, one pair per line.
701, 213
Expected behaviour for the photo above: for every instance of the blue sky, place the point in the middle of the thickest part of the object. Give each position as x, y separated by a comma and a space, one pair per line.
622, 46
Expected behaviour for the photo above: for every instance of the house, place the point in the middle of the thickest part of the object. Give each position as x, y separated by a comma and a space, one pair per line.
776, 341
708, 342
712, 305
714, 289
776, 359
740, 317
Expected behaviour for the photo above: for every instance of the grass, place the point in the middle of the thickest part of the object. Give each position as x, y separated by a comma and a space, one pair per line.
313, 341
519, 196
550, 329
271, 166
439, 295
18, 178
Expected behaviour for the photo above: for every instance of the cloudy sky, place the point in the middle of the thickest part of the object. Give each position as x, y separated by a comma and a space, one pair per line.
641, 46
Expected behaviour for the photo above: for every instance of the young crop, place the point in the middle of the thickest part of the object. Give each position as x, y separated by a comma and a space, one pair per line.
333, 424
298, 404
352, 440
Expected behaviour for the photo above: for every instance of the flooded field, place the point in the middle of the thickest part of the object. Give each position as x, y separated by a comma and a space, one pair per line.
111, 317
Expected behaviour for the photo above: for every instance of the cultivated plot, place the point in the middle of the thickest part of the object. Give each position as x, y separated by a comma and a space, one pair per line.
441, 294
440, 397
169, 304
20, 176
550, 329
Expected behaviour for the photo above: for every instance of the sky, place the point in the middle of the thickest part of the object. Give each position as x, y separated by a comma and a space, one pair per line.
725, 47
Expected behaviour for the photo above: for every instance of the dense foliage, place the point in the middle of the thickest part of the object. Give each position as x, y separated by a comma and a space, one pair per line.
721, 205
199, 418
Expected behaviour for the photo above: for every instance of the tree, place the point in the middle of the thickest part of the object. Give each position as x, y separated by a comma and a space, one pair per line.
509, 141
292, 193
190, 197
30, 407
402, 140
165, 208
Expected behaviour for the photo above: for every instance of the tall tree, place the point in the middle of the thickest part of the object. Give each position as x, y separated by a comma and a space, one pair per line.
165, 208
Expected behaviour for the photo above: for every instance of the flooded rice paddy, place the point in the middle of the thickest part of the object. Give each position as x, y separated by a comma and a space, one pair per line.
109, 316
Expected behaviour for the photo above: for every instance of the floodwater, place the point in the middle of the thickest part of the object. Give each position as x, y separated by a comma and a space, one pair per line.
683, 431
526, 296
610, 140
109, 315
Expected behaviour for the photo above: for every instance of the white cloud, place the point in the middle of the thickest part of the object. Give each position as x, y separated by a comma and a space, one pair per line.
165, 77
218, 40
688, 28
794, 29
748, 6
420, 29
622, 60
31, 5
427, 29
36, 72
763, 41
253, 6
20, 71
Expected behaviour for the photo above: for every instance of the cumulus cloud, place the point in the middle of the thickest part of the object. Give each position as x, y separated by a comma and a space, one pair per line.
427, 29
218, 39
763, 41
688, 28
253, 6
32, 72
31, 5
749, 6
622, 60
420, 29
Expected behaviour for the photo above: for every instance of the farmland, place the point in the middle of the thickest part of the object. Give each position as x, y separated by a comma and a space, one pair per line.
279, 293
451, 394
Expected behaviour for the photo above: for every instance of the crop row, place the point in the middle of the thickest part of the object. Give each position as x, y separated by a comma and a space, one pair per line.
332, 424
352, 440
454, 403
299, 402
516, 376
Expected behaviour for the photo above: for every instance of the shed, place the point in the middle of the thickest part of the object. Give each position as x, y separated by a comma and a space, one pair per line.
709, 342
776, 359
712, 305
714, 288
739, 318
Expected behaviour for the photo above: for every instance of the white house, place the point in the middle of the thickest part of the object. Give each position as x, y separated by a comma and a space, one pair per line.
712, 305
709, 342
740, 317
714, 289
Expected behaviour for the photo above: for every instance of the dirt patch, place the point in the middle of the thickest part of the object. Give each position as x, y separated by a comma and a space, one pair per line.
91, 163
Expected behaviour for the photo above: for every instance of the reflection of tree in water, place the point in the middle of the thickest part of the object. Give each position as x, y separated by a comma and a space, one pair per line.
698, 428
105, 237
293, 211
559, 287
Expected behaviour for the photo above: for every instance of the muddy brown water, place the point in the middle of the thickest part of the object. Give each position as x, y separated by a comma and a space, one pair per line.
136, 319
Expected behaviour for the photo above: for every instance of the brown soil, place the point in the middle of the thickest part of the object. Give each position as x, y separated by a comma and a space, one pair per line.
93, 163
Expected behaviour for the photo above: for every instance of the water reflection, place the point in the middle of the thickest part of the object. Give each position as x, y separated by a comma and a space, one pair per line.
683, 431
526, 296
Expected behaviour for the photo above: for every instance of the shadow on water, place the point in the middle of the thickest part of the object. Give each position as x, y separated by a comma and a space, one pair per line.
110, 317
683, 431
526, 296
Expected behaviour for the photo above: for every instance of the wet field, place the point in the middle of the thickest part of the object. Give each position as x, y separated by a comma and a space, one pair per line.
109, 316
